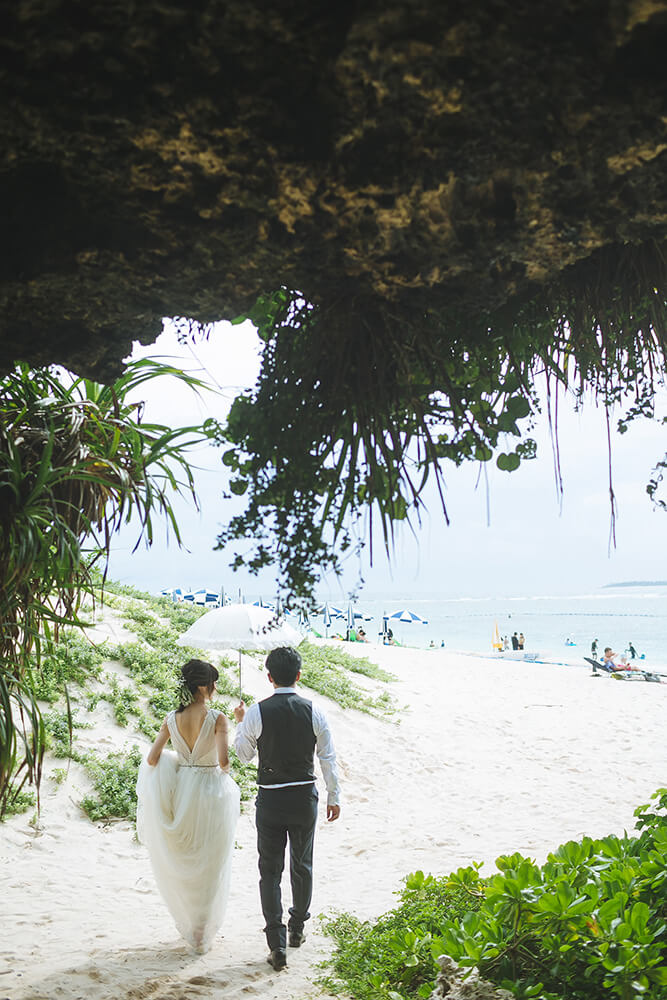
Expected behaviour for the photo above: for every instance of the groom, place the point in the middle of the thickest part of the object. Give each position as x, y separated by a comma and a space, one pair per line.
286, 730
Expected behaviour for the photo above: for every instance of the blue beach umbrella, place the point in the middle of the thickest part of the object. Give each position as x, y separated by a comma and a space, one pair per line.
206, 598
407, 618
175, 593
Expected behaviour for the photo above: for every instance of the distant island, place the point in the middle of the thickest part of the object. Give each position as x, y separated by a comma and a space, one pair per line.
637, 583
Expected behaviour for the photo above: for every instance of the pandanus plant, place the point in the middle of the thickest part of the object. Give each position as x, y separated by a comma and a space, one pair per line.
76, 462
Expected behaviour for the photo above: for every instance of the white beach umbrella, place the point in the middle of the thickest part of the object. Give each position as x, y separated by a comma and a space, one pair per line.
240, 626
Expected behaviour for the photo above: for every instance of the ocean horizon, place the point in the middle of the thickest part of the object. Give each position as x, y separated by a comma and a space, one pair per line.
558, 627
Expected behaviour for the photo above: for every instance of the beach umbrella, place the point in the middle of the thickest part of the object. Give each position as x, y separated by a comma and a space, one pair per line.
408, 618
326, 620
240, 626
204, 596
175, 593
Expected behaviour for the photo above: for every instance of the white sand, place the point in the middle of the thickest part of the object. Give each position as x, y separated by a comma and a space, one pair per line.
488, 758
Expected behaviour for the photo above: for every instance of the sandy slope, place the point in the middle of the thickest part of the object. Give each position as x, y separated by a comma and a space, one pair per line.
487, 758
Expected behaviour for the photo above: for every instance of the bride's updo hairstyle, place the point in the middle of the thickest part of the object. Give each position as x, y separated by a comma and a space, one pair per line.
195, 674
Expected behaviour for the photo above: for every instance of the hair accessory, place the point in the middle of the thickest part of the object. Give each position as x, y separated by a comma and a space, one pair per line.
185, 695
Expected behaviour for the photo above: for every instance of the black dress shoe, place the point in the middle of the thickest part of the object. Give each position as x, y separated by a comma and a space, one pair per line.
277, 959
296, 939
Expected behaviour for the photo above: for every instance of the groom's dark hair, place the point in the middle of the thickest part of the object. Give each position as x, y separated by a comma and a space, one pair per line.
283, 664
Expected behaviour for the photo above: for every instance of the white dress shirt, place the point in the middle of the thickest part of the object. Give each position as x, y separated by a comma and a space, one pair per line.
249, 731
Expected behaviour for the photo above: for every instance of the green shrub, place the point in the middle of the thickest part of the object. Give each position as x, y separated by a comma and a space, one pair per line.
18, 802
115, 782
326, 671
59, 728
124, 700
394, 953
245, 776
73, 659
589, 924
339, 657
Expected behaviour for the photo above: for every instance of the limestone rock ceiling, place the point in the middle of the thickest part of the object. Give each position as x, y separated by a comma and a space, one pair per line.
177, 159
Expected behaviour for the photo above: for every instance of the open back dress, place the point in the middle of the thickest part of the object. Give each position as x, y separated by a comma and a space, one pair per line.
187, 810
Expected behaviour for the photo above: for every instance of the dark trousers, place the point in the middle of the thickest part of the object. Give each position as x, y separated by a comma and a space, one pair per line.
284, 814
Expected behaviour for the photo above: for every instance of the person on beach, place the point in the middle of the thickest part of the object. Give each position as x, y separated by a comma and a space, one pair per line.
515, 641
286, 731
522, 641
594, 649
188, 807
632, 651
608, 660
609, 663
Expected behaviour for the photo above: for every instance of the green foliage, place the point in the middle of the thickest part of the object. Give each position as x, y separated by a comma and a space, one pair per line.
339, 657
326, 670
18, 802
395, 952
124, 700
589, 924
76, 462
245, 776
387, 395
72, 659
115, 781
59, 733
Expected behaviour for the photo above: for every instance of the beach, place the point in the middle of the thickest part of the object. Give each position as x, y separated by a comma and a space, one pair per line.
483, 758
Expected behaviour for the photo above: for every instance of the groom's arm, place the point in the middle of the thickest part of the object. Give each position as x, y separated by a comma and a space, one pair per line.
247, 732
327, 758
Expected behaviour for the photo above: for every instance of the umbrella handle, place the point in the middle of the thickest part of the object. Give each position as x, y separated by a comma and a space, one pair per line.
240, 680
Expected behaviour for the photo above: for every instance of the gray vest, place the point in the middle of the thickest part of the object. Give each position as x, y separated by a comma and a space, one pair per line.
287, 742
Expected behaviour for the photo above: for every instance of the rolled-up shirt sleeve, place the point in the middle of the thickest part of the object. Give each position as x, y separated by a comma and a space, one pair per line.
326, 756
247, 733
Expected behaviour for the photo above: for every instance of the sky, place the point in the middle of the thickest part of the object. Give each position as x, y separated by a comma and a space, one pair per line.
510, 534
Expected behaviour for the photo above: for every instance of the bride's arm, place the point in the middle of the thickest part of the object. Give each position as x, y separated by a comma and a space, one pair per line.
222, 742
159, 745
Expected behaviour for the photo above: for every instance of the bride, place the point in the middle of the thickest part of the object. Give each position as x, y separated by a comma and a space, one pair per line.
188, 807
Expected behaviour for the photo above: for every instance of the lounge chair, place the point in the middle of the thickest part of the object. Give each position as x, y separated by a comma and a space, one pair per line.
623, 674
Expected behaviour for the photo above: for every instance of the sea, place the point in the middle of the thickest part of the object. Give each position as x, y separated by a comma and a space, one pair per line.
559, 629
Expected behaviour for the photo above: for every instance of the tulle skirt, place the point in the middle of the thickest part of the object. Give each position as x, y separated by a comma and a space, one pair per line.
186, 817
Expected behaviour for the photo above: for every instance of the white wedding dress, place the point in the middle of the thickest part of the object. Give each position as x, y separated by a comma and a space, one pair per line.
187, 809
